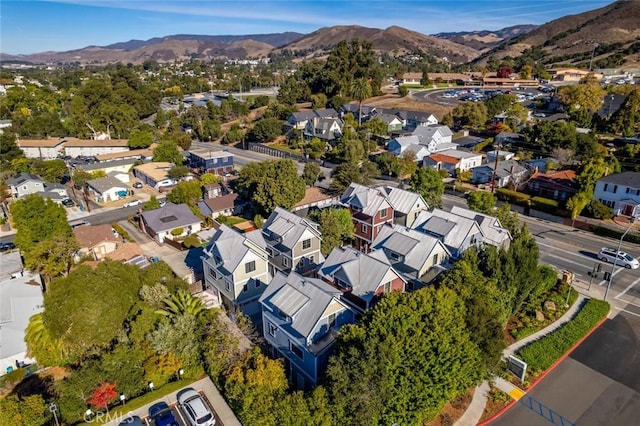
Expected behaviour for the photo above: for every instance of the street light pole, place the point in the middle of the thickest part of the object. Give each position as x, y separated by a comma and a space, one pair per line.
634, 215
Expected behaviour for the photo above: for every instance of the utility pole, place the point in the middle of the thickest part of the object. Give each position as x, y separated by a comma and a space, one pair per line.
495, 169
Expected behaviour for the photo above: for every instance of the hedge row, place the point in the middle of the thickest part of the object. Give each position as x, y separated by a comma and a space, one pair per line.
514, 197
545, 204
542, 353
482, 145
608, 232
122, 232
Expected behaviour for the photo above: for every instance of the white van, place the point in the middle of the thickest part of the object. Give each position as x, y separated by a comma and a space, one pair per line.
608, 254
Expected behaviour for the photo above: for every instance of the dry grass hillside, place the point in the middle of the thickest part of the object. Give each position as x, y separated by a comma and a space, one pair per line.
393, 40
618, 22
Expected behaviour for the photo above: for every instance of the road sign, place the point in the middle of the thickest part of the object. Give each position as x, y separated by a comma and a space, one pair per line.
517, 367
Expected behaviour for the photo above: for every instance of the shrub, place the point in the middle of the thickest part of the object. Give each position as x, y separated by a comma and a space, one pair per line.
510, 196
177, 231
599, 210
608, 232
545, 204
403, 91
542, 353
548, 280
192, 241
482, 145
121, 231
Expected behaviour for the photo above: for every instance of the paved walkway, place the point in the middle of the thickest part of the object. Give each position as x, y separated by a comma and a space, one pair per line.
472, 416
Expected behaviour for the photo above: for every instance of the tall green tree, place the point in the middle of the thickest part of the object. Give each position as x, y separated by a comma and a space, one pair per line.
349, 172
481, 201
428, 183
360, 90
52, 257
167, 151
270, 184
336, 226
311, 173
29, 410
382, 374
186, 193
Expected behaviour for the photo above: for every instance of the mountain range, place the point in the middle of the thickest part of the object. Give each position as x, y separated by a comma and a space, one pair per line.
605, 32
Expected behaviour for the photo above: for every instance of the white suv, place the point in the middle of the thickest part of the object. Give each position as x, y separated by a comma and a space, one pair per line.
196, 410
608, 254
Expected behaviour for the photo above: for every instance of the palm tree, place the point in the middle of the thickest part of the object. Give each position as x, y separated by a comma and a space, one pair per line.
47, 349
182, 303
360, 90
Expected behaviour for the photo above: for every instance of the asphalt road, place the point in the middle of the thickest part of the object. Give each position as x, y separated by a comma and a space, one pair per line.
598, 384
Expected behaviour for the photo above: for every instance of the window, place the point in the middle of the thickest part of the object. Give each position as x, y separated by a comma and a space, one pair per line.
212, 273
306, 244
435, 259
295, 349
257, 283
615, 189
250, 266
285, 262
384, 213
387, 287
227, 285
272, 330
245, 288
606, 185
331, 320
365, 228
628, 190
394, 256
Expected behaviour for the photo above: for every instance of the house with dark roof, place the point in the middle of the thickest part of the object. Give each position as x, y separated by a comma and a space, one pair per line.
301, 318
170, 221
507, 172
423, 141
620, 191
236, 268
299, 120
370, 209
458, 233
293, 242
211, 161
25, 184
227, 205
611, 104
417, 256
363, 278
559, 185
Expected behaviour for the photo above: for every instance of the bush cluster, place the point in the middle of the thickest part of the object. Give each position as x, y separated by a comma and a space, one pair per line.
514, 197
608, 232
542, 353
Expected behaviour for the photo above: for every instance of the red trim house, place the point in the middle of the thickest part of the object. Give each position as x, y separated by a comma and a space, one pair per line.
558, 185
370, 209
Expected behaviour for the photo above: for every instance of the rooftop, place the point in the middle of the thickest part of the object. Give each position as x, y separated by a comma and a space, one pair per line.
92, 235
156, 171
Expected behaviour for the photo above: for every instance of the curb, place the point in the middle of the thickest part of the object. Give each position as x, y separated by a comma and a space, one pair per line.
546, 372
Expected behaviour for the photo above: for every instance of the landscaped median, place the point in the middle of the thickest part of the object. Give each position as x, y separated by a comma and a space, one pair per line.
544, 352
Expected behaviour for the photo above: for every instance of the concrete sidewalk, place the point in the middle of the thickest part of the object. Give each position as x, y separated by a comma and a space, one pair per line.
472, 416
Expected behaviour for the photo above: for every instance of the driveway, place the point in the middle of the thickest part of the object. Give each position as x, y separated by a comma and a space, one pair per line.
598, 384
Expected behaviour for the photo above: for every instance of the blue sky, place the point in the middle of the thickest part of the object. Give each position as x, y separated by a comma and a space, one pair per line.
37, 26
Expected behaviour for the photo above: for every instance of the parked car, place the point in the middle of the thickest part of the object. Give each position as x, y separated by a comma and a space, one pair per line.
132, 421
6, 246
160, 415
608, 254
196, 410
132, 203
137, 185
68, 202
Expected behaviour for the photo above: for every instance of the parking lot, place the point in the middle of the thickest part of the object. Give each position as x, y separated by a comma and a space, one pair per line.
207, 390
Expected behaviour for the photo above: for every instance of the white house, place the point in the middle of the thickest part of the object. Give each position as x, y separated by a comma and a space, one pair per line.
20, 298
163, 223
424, 140
452, 159
108, 189
25, 184
620, 191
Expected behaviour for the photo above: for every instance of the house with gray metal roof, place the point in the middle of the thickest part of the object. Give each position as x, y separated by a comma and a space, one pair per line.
170, 221
363, 278
406, 205
299, 120
326, 129
423, 141
370, 209
418, 257
458, 233
236, 268
492, 230
300, 321
293, 242
507, 172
